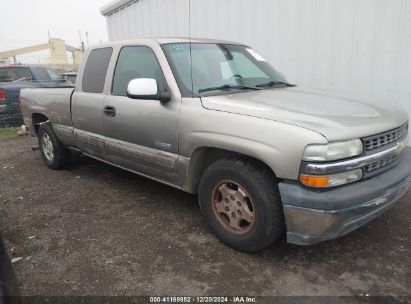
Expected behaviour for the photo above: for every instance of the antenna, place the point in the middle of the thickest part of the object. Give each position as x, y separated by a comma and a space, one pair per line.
189, 40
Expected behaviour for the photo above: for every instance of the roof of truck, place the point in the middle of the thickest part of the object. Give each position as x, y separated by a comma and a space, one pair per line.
163, 40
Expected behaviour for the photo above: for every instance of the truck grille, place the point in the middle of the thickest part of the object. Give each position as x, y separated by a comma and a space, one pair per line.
380, 140
381, 152
381, 163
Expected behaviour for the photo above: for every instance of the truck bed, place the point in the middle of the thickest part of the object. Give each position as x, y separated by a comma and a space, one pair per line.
54, 103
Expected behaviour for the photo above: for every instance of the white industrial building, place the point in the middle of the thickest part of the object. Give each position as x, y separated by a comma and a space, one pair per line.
360, 47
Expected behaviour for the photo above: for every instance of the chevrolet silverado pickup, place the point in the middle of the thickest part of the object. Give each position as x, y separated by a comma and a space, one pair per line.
214, 118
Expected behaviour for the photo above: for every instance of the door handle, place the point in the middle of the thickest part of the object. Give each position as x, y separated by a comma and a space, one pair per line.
109, 111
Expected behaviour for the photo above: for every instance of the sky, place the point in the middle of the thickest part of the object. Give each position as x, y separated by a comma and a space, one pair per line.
27, 22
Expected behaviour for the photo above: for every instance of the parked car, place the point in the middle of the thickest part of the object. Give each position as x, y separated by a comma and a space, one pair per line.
15, 77
8, 283
70, 77
214, 118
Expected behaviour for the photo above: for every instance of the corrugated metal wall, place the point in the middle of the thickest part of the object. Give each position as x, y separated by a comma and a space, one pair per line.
149, 18
362, 47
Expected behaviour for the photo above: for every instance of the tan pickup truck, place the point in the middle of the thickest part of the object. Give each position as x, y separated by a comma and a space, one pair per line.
266, 158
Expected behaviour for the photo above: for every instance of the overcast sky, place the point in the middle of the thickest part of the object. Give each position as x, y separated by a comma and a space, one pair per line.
26, 22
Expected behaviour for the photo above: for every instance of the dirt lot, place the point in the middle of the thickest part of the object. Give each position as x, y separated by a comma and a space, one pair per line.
96, 230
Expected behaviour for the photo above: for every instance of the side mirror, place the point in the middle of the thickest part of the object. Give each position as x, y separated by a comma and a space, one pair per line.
146, 88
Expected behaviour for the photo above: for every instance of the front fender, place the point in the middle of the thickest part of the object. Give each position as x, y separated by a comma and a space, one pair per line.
279, 145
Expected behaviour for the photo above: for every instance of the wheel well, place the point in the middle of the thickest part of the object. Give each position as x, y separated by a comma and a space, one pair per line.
203, 157
37, 119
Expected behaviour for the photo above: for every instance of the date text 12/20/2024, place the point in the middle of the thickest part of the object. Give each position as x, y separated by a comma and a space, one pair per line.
204, 299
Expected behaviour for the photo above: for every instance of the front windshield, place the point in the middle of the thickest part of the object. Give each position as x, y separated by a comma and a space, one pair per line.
218, 68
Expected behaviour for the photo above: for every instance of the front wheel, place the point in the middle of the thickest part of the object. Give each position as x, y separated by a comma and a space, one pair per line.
54, 154
242, 204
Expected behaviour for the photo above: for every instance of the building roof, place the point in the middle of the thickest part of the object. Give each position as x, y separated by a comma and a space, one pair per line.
114, 5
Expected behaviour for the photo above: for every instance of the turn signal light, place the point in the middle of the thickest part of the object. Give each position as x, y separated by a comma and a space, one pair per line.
314, 181
332, 180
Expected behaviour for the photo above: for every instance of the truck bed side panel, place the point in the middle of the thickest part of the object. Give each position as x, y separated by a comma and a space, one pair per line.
54, 104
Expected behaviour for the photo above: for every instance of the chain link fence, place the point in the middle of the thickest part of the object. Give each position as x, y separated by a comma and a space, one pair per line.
12, 80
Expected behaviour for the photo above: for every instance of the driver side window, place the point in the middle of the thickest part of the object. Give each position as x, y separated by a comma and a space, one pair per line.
135, 62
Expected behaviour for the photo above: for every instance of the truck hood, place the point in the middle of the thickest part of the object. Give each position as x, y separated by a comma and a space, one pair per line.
335, 116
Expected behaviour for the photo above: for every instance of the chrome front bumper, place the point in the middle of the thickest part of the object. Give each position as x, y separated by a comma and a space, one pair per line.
313, 216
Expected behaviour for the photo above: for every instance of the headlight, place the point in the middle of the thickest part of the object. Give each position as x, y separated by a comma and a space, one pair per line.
333, 151
331, 180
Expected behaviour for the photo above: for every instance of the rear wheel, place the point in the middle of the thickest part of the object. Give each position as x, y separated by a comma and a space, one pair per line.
242, 204
54, 154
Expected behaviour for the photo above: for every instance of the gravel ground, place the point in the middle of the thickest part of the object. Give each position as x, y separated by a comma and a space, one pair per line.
96, 230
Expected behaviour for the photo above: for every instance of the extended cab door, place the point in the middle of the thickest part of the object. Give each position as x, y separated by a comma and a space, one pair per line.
141, 135
88, 101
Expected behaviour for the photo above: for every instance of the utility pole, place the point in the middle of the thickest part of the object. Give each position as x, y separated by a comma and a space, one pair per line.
81, 42
88, 42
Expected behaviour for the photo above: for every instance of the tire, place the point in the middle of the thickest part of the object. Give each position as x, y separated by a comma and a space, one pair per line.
54, 154
260, 221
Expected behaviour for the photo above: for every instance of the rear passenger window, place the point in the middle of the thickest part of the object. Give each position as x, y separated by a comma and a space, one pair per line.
135, 62
95, 71
8, 74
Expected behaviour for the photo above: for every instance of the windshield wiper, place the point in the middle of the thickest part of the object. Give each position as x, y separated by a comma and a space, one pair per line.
228, 87
273, 83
